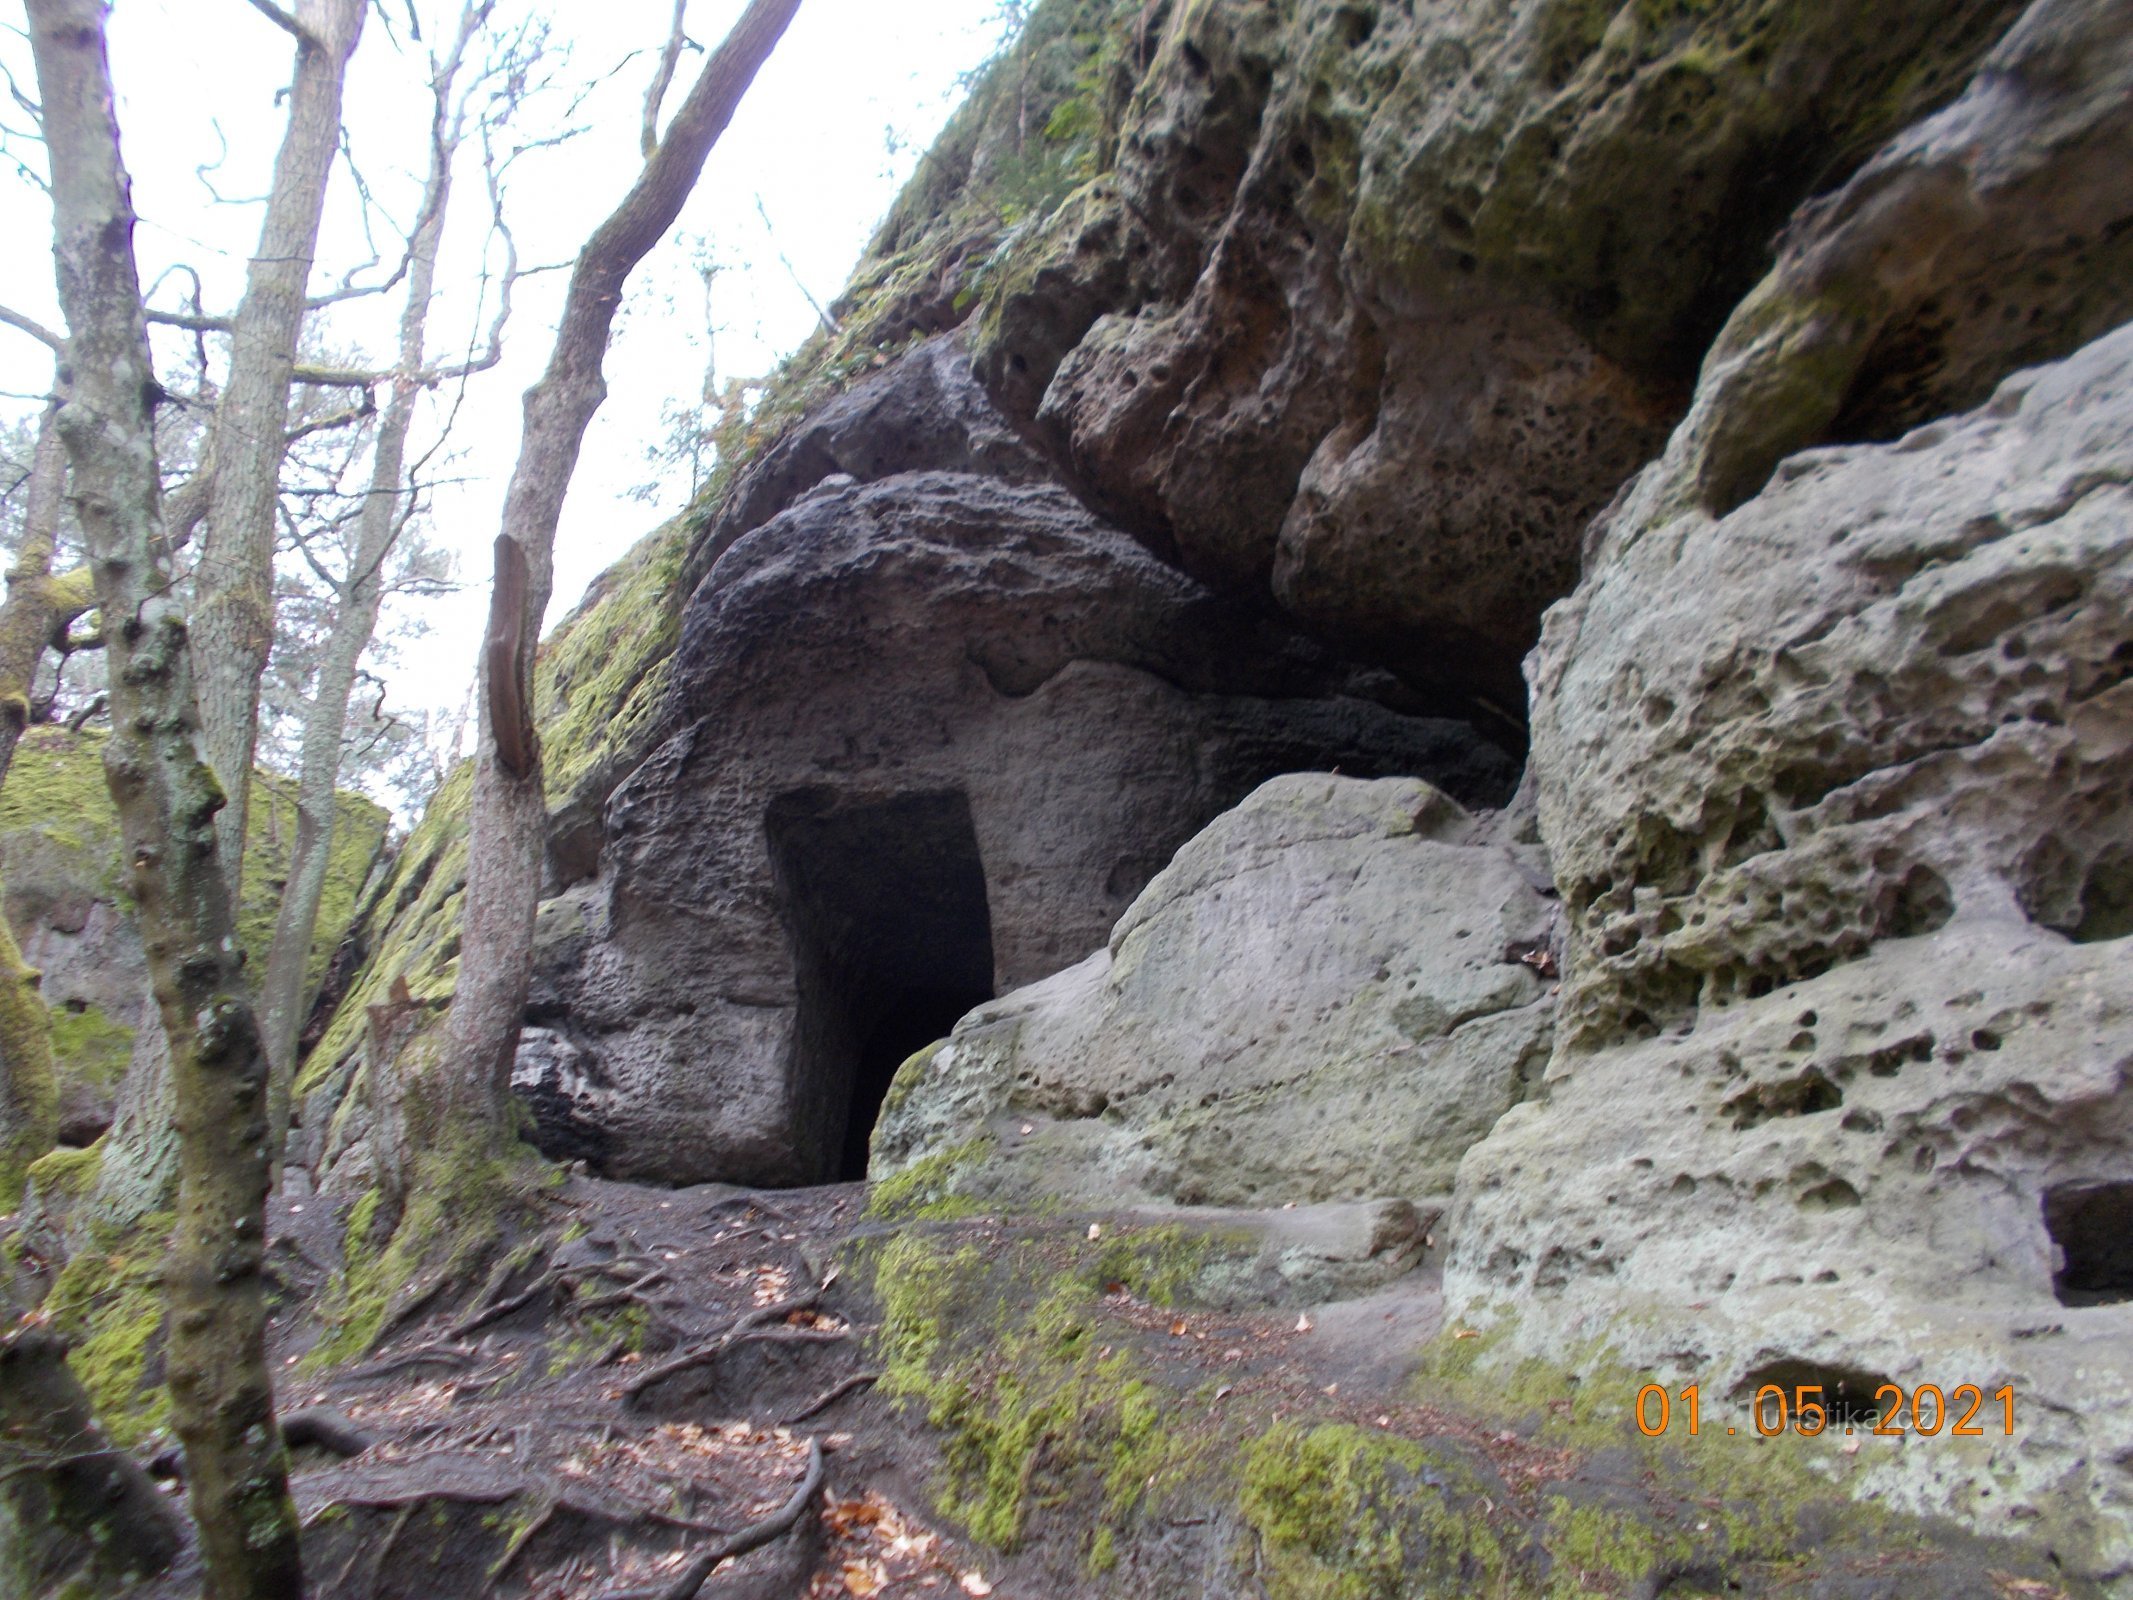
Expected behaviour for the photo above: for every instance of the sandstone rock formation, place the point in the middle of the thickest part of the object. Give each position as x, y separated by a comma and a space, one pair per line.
1329, 994
1313, 334
1382, 303
1837, 789
1995, 234
934, 734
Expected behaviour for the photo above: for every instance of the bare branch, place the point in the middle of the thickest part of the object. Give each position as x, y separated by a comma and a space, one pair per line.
184, 506
16, 94
829, 323
191, 321
663, 79
337, 377
202, 170
35, 329
335, 419
367, 205
302, 546
283, 20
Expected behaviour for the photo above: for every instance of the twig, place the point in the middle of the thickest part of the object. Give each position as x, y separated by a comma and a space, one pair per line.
748, 1202
413, 1358
663, 79
753, 1537
830, 1396
377, 1566
629, 1293
704, 1354
412, 1307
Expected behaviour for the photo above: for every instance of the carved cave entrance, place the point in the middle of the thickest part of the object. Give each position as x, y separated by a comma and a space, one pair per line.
892, 942
2092, 1224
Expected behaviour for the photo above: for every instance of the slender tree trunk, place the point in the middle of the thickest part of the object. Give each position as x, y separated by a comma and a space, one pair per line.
37, 605
79, 1516
222, 1395
468, 1085
233, 606
284, 996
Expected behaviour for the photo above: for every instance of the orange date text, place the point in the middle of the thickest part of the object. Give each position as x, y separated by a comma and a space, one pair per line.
1965, 1412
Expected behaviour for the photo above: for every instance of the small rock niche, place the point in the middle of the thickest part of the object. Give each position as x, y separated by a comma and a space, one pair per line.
2092, 1225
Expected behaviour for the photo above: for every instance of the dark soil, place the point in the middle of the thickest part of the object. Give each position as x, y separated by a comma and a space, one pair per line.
657, 1381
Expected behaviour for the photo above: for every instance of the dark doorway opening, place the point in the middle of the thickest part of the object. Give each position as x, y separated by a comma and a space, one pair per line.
892, 942
2092, 1224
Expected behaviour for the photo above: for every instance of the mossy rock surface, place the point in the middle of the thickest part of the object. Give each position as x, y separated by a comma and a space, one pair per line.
1107, 1429
60, 845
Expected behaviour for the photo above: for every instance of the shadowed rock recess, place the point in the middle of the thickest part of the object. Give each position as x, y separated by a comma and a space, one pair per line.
1505, 622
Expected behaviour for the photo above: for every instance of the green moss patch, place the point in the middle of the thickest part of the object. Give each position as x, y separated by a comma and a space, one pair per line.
89, 1048
411, 926
928, 1189
67, 1175
1036, 1407
467, 1204
109, 1304
1347, 1513
59, 826
602, 674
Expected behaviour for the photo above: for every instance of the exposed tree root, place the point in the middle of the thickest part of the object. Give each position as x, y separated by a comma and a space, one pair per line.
830, 1396
325, 1428
428, 1355
705, 1354
501, 1309
753, 1537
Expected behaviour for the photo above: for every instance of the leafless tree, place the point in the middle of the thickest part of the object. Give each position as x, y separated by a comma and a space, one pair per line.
233, 608
464, 1090
222, 1396
37, 606
360, 589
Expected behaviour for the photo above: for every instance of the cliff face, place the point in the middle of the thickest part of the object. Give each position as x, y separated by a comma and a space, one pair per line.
1231, 396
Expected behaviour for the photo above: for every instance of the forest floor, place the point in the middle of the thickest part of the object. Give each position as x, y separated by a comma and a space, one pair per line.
675, 1375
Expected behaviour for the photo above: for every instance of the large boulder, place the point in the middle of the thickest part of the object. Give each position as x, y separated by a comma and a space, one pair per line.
1839, 792
933, 734
1329, 994
1381, 303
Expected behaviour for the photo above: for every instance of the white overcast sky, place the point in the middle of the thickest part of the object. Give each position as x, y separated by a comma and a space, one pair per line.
834, 124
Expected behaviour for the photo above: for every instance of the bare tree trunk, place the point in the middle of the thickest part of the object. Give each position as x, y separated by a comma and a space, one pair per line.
233, 607
283, 998
221, 1392
79, 1516
468, 1085
37, 604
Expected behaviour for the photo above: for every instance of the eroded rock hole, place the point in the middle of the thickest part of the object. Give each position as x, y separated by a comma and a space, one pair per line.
2092, 1225
1850, 1395
892, 942
2107, 898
